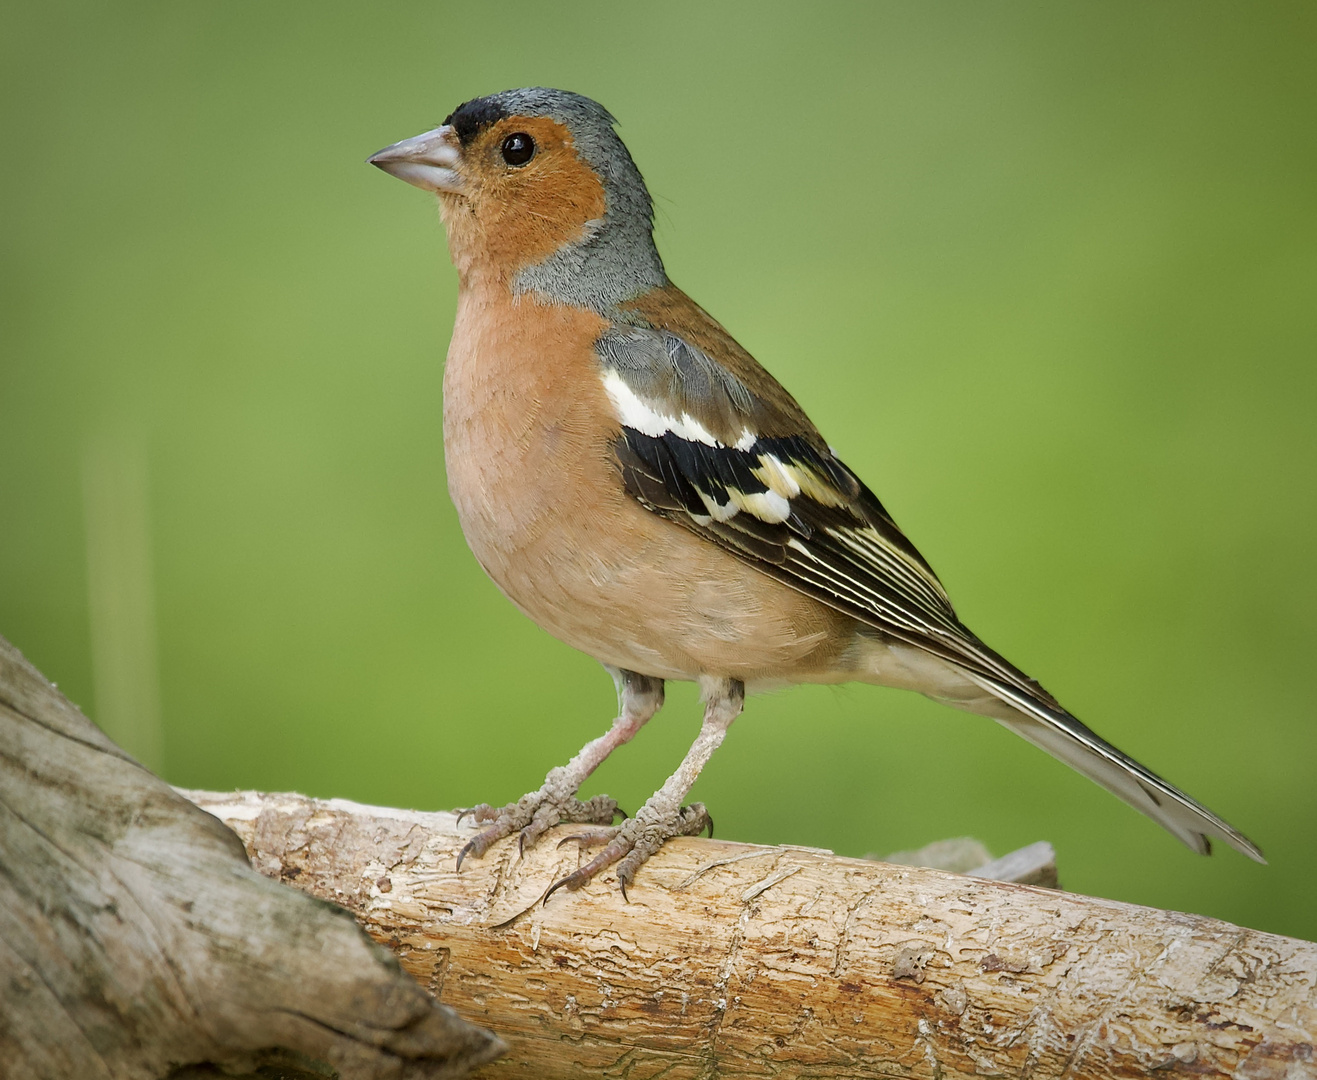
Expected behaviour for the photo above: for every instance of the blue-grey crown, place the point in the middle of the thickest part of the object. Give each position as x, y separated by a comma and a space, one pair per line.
617, 260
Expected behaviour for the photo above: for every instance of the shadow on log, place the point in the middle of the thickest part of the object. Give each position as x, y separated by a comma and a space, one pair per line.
136, 941
733, 960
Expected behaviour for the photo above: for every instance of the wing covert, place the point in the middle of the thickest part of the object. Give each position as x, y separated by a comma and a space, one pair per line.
709, 440
692, 449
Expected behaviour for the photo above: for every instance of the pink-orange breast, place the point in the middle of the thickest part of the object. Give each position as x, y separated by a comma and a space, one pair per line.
528, 437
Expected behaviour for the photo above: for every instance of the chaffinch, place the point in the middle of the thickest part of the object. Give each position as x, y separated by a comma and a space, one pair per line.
637, 484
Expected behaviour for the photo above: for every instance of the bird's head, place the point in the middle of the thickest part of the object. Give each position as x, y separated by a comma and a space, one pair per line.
538, 194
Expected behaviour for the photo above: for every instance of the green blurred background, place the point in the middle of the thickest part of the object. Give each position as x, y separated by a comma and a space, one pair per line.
1046, 275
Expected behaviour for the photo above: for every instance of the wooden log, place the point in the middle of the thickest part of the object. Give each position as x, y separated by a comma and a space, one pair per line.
733, 960
136, 941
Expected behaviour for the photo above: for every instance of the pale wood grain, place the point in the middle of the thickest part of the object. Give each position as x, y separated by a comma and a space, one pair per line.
740, 961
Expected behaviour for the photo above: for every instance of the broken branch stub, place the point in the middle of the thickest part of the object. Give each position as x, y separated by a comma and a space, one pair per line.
739, 961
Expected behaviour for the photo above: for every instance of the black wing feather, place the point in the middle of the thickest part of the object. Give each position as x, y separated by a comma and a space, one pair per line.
839, 547
788, 506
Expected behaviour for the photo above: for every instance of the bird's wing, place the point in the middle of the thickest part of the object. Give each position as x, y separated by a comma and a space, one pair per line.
723, 450
695, 447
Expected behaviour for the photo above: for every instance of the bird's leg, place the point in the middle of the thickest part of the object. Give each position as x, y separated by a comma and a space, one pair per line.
663, 816
639, 698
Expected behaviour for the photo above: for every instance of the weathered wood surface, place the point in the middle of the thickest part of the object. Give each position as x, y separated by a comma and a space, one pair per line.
741, 961
136, 941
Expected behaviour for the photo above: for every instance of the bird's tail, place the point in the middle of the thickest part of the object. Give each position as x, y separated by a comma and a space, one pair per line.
1053, 729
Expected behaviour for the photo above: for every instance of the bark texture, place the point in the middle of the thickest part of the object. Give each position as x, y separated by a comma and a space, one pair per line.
740, 961
136, 941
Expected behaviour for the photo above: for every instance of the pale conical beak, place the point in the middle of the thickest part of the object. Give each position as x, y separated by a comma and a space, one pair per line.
428, 161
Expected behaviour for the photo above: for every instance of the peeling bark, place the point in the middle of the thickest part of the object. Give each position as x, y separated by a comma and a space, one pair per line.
136, 941
740, 961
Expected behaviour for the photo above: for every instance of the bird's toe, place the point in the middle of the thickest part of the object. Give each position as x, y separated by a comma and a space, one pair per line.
532, 816
632, 843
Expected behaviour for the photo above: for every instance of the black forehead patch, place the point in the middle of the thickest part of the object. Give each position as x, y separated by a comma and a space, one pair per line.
472, 117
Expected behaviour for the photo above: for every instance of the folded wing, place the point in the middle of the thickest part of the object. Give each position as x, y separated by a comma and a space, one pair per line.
747, 470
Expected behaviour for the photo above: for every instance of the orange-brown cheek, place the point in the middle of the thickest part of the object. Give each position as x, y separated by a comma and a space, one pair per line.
519, 218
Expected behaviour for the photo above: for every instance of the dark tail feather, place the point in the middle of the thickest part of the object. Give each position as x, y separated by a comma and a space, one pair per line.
1066, 739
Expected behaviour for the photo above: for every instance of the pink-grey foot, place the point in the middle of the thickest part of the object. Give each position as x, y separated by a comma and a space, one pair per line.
635, 841
663, 816
535, 813
640, 697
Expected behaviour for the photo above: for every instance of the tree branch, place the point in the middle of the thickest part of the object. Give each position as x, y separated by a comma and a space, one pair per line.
136, 941
739, 961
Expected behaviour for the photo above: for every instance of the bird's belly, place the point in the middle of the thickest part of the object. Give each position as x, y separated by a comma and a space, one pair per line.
654, 603
598, 571
541, 504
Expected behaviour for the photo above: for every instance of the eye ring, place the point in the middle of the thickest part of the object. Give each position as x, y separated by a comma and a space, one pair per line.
518, 148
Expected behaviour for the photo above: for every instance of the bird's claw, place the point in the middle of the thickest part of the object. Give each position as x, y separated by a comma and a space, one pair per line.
467, 848
532, 816
631, 843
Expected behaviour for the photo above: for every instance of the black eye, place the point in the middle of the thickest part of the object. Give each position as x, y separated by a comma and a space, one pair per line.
518, 148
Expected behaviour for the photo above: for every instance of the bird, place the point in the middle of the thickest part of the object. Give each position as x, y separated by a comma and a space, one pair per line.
636, 483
